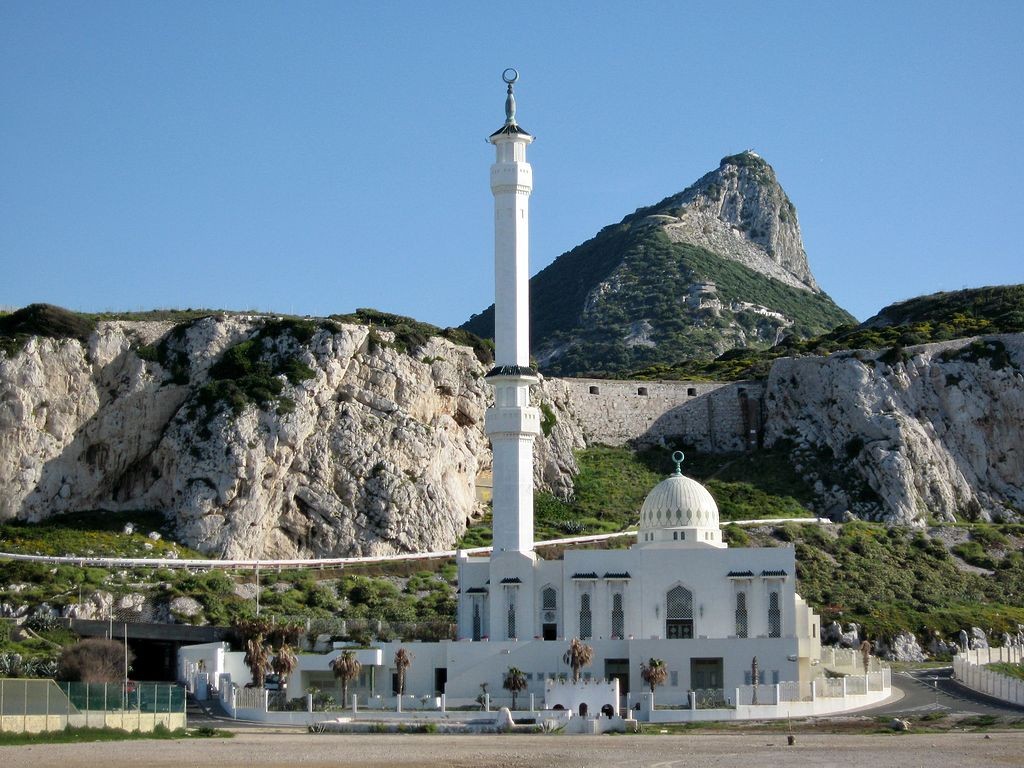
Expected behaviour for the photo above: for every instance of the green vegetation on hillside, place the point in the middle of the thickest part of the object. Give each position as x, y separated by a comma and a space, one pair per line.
991, 309
941, 317
895, 578
613, 483
250, 371
93, 533
46, 320
411, 334
652, 277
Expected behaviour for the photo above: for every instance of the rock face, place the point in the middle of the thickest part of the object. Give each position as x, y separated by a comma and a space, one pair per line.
364, 448
740, 211
932, 431
902, 647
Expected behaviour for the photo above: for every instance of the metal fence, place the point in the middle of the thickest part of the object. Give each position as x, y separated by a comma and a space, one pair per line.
46, 705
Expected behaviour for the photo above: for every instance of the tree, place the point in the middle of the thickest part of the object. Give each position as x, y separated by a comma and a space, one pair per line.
515, 681
94, 660
346, 668
578, 656
403, 659
284, 663
257, 649
654, 673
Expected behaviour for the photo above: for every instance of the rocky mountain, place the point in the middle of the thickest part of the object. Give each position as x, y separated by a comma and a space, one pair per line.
718, 266
258, 436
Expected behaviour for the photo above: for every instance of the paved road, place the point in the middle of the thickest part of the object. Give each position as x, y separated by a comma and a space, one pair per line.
934, 690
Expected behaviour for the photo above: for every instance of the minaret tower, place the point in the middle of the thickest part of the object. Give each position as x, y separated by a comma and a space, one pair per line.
512, 424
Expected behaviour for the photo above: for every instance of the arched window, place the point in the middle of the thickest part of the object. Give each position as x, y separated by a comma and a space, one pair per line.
511, 616
586, 619
679, 614
741, 614
774, 615
549, 613
618, 617
476, 621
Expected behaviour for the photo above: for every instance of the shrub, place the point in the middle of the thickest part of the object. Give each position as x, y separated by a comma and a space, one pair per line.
94, 660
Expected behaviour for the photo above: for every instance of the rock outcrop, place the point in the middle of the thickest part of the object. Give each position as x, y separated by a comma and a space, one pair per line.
333, 441
717, 266
740, 211
929, 432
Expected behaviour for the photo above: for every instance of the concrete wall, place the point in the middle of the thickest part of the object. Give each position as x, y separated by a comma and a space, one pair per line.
969, 668
711, 416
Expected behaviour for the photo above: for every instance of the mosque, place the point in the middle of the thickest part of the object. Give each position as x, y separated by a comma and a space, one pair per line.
679, 594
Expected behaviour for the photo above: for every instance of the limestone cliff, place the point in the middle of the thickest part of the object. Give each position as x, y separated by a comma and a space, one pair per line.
929, 432
259, 438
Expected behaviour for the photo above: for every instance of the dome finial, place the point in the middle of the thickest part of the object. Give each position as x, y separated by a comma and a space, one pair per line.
678, 457
510, 76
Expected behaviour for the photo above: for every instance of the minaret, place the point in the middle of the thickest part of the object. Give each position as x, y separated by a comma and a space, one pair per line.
511, 423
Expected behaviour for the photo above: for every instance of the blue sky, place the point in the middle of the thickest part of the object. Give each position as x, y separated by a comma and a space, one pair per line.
311, 158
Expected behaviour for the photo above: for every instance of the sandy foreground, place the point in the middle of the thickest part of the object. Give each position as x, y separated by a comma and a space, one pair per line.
252, 750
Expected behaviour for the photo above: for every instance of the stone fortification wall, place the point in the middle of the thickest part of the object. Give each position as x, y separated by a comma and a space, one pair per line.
710, 416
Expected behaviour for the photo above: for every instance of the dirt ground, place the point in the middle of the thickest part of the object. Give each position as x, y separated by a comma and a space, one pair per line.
259, 749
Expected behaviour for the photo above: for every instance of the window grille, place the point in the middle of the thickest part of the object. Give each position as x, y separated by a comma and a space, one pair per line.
585, 617
618, 619
549, 598
679, 614
511, 615
476, 621
741, 614
774, 616
680, 603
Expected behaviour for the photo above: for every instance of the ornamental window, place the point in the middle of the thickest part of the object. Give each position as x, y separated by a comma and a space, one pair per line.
586, 618
741, 614
618, 617
679, 614
774, 615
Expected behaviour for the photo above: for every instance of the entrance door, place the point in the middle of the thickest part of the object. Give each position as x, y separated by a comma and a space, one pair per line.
440, 680
705, 674
618, 669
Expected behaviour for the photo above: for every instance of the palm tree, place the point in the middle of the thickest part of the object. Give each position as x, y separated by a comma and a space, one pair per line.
654, 672
284, 663
346, 668
257, 651
403, 659
515, 681
578, 656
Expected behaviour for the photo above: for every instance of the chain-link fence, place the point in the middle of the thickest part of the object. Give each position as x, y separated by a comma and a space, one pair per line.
46, 705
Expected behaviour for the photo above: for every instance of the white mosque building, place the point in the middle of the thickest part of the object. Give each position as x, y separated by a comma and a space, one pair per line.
679, 594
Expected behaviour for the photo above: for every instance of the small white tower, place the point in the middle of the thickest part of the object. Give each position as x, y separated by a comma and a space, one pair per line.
512, 424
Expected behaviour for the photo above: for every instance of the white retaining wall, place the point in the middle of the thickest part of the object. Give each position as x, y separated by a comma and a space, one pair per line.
969, 669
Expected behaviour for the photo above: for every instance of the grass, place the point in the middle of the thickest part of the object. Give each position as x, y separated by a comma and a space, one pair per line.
613, 483
1005, 668
93, 533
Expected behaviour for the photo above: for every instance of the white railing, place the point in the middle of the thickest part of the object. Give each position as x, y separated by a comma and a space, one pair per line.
829, 688
791, 691
969, 667
251, 698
